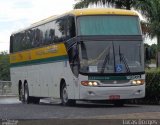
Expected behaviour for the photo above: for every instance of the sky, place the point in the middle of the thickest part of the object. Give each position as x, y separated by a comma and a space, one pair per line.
18, 14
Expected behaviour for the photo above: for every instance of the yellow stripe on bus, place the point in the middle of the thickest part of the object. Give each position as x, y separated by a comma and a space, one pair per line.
39, 53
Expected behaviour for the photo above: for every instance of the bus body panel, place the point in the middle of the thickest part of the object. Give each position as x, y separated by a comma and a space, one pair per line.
43, 69
104, 93
44, 79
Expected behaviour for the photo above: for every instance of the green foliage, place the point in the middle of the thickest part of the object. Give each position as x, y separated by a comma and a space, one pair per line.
151, 10
153, 86
4, 66
153, 50
125, 4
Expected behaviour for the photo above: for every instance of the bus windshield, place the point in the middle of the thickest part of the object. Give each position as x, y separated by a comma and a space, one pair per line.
111, 56
108, 25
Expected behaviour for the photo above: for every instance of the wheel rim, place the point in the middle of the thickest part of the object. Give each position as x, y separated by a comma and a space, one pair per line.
65, 95
26, 94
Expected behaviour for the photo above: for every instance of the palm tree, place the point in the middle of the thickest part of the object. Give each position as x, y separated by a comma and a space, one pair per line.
151, 10
125, 4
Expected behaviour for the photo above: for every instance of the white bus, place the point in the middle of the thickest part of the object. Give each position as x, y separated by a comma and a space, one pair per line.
85, 54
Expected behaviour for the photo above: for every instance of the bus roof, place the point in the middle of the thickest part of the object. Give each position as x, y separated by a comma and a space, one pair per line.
81, 12
101, 11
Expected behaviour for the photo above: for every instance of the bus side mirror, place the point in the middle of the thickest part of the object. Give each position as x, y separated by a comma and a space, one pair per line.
147, 53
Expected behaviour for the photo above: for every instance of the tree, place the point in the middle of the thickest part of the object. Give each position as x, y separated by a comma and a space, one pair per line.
125, 4
153, 51
4, 66
151, 10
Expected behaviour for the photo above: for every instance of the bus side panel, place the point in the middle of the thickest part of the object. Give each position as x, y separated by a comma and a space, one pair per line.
14, 81
33, 80
55, 75
17, 74
71, 81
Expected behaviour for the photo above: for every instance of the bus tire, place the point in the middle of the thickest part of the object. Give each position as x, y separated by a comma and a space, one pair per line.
64, 97
27, 98
21, 95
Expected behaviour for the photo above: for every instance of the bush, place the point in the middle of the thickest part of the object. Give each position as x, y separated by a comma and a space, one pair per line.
152, 88
4, 66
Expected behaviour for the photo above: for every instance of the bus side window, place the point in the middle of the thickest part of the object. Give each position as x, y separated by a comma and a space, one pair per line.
71, 27
60, 33
52, 34
17, 42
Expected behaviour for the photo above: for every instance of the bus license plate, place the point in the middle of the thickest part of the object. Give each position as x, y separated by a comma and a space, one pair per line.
114, 97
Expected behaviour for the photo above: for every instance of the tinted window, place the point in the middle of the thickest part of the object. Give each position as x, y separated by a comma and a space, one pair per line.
71, 27
60, 31
51, 32
108, 25
107, 56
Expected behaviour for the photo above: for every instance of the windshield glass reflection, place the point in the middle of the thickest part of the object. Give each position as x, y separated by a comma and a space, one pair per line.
111, 56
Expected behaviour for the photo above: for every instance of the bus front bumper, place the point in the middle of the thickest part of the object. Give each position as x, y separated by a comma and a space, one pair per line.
108, 93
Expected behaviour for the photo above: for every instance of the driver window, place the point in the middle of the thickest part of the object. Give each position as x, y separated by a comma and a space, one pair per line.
74, 59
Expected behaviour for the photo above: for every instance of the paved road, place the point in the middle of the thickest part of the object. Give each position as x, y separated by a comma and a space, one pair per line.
11, 108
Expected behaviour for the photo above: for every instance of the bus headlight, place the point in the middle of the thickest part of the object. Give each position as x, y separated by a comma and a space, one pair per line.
138, 82
89, 83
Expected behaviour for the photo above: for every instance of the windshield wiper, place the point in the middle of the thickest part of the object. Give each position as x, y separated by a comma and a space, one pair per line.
105, 61
123, 59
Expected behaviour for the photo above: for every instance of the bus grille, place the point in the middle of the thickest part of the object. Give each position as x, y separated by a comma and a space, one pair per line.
115, 81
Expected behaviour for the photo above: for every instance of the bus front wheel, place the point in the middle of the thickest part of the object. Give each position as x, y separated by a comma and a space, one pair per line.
64, 97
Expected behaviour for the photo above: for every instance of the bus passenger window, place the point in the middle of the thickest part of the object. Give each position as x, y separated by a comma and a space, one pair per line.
60, 30
70, 27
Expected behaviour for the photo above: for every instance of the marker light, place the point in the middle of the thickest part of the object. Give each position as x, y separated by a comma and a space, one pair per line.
89, 83
138, 82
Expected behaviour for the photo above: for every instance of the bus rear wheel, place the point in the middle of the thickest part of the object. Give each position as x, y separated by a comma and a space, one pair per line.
26, 94
21, 96
28, 99
64, 97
